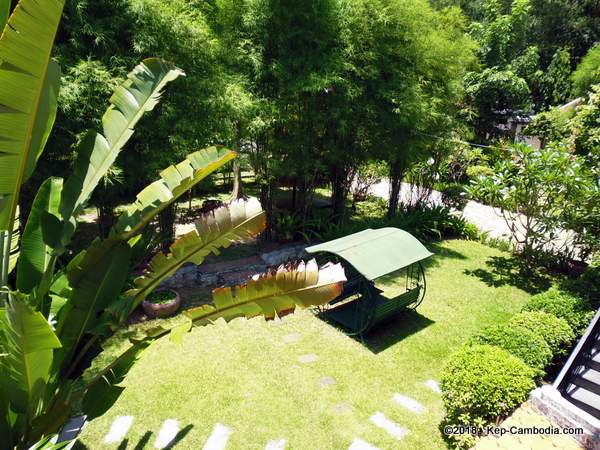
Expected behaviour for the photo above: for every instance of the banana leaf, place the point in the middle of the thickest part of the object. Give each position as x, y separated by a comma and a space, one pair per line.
29, 341
98, 151
174, 181
104, 390
96, 277
29, 83
4, 12
236, 222
39, 238
275, 293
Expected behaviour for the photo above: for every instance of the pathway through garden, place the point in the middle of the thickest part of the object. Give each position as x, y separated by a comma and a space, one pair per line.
486, 218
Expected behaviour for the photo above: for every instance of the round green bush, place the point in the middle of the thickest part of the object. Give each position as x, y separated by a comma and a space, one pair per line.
557, 333
571, 308
518, 341
481, 383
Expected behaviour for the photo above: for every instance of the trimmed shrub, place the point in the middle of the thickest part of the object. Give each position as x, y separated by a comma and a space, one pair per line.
518, 341
557, 333
482, 383
576, 311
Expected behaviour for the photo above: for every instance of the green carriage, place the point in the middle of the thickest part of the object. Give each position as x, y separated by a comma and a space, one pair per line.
368, 257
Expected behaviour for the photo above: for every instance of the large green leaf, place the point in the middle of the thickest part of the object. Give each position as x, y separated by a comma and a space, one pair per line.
29, 83
4, 12
104, 390
35, 251
174, 181
98, 151
275, 293
238, 221
96, 277
29, 341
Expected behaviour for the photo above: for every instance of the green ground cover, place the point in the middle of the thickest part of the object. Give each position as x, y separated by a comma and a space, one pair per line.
246, 375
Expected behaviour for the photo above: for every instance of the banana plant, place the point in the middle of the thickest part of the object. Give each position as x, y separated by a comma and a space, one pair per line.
53, 319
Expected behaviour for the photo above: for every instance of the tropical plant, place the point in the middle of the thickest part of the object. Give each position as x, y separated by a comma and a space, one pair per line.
538, 192
54, 318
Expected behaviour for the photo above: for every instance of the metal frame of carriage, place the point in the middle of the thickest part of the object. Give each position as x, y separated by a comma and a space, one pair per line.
369, 256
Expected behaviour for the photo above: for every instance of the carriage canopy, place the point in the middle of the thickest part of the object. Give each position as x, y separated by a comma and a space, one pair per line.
375, 253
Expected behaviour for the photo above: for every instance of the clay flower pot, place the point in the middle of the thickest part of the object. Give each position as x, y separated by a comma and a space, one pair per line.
164, 308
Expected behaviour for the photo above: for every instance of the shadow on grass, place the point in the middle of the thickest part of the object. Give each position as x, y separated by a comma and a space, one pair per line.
504, 271
392, 331
144, 440
440, 252
389, 332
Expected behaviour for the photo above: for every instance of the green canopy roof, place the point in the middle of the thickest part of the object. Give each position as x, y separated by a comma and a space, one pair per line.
375, 253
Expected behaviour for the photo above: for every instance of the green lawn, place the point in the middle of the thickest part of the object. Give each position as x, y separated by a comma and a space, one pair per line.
246, 376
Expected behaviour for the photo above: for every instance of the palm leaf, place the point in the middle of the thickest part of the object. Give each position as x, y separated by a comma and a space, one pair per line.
29, 83
29, 342
174, 181
275, 293
138, 94
36, 244
238, 221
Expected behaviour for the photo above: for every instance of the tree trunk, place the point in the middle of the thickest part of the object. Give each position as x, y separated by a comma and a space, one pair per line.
339, 193
166, 221
266, 201
106, 219
238, 188
396, 176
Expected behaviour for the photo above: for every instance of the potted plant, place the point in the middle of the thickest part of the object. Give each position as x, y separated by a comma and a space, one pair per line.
161, 303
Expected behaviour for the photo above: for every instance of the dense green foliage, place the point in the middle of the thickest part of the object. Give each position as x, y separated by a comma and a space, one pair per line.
542, 192
481, 384
519, 341
555, 331
575, 311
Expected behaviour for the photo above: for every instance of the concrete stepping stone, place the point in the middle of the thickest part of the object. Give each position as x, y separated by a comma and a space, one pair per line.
118, 429
342, 408
276, 444
359, 444
434, 386
310, 358
218, 438
167, 433
409, 403
326, 382
392, 428
290, 338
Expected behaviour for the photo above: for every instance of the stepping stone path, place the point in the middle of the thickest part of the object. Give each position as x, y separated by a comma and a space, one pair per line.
326, 382
218, 438
290, 338
359, 444
167, 433
391, 427
276, 444
310, 358
118, 429
342, 408
433, 385
409, 403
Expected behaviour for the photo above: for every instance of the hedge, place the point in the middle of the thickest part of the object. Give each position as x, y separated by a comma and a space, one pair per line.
557, 333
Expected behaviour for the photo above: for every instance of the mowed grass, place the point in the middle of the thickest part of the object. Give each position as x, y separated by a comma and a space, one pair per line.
245, 375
